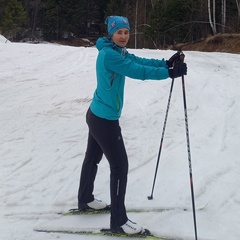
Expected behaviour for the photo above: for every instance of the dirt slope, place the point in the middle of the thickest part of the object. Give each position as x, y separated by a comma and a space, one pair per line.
229, 43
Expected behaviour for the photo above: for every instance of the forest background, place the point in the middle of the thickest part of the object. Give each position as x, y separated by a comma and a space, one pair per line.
154, 23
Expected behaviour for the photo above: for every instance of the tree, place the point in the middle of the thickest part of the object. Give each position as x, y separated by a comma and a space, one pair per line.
64, 19
36, 6
212, 16
223, 15
154, 23
170, 21
14, 18
51, 20
238, 8
115, 7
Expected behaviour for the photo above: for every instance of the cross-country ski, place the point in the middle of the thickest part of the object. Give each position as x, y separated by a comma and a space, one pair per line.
76, 211
146, 234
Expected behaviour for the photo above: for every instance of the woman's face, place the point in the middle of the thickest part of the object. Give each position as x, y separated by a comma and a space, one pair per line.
121, 37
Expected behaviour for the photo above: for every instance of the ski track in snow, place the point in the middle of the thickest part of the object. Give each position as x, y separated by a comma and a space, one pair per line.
45, 91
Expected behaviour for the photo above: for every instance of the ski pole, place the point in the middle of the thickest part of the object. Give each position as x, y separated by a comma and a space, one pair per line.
189, 156
161, 143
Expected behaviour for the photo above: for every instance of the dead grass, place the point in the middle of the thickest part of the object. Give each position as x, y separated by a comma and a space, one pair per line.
76, 42
229, 43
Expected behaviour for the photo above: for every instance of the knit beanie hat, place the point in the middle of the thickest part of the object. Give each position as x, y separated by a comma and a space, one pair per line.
115, 23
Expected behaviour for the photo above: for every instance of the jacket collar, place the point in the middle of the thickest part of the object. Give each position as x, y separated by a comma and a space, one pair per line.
106, 42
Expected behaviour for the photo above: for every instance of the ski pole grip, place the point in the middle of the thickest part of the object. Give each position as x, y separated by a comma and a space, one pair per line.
182, 56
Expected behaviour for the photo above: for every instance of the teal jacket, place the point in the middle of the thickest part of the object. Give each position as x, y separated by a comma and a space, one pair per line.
113, 64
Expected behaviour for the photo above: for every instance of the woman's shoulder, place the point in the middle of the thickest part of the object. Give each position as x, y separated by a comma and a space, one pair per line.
103, 42
107, 46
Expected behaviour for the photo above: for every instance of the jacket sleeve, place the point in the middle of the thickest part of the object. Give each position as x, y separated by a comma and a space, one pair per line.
147, 62
124, 65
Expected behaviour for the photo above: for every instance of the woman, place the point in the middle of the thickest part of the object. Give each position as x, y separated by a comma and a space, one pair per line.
113, 64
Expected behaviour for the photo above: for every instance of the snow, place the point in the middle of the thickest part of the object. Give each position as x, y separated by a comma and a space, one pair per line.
3, 39
45, 91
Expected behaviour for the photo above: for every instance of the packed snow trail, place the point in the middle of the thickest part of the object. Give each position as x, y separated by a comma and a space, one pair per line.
45, 91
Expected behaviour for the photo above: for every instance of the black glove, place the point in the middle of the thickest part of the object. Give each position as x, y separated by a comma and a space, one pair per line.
173, 59
179, 69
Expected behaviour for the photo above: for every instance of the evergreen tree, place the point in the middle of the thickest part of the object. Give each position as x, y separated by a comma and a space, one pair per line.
115, 7
170, 22
14, 17
51, 20
102, 6
165, 22
158, 23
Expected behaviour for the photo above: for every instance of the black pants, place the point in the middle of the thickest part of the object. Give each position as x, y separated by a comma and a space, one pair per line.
105, 138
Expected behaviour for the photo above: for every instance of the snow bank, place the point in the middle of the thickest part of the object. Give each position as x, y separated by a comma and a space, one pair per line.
3, 39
